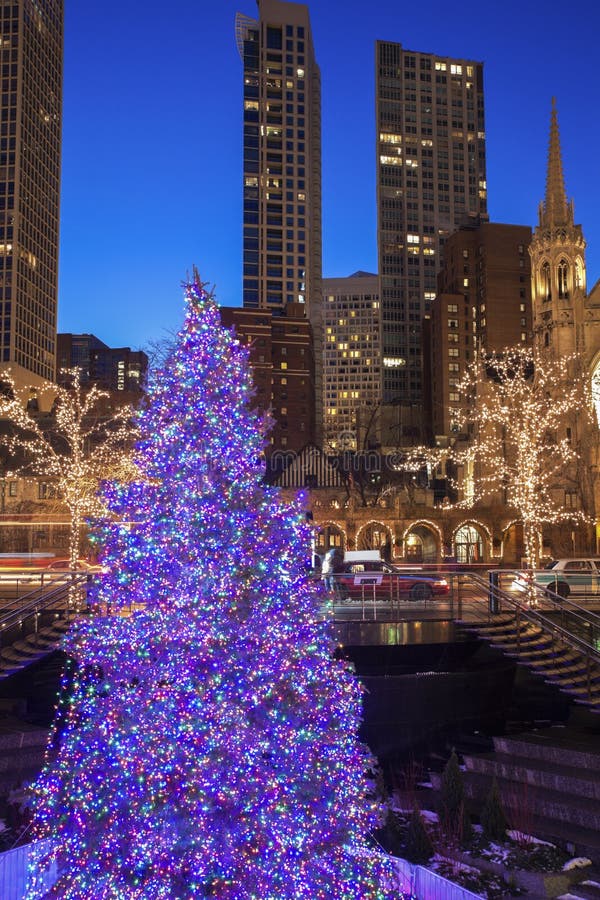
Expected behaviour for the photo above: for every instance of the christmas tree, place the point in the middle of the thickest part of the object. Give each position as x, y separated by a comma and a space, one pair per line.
207, 744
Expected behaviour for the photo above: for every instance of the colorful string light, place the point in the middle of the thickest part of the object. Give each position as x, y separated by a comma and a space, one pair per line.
207, 744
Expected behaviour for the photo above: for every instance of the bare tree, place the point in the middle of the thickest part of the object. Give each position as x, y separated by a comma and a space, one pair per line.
79, 445
523, 417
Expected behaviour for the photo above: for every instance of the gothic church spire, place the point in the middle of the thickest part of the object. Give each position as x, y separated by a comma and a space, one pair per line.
555, 210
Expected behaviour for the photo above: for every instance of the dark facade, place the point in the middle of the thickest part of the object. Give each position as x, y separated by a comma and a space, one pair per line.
282, 366
484, 301
431, 178
115, 369
31, 51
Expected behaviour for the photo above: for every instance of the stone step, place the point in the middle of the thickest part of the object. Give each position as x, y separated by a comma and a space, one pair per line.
548, 656
29, 758
11, 741
491, 628
11, 780
25, 648
524, 799
569, 822
550, 746
572, 669
583, 694
521, 644
563, 778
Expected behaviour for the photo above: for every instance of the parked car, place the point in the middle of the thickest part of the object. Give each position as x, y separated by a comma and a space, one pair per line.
565, 577
368, 579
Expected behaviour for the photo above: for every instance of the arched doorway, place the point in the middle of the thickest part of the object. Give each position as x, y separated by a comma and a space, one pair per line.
513, 544
468, 544
375, 536
421, 544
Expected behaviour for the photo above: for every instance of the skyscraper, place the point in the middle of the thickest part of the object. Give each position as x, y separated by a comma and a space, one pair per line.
430, 179
282, 164
352, 359
31, 37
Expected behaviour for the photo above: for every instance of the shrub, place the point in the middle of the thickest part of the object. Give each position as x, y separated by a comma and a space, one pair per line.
493, 820
418, 848
454, 819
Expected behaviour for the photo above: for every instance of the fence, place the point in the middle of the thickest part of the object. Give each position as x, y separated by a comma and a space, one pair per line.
408, 879
416, 881
13, 871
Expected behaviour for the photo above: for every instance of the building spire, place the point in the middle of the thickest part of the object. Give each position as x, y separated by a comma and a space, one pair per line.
555, 209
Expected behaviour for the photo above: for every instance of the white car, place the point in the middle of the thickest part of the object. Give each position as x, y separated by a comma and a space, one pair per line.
563, 577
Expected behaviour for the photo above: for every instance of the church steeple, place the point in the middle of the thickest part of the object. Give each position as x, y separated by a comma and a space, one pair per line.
557, 253
555, 211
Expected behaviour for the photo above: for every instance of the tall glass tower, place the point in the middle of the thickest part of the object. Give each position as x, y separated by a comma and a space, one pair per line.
31, 50
282, 165
431, 178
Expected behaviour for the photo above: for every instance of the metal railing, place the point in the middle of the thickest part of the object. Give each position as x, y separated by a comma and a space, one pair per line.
63, 596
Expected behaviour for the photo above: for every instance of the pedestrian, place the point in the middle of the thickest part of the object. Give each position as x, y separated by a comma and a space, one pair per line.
327, 569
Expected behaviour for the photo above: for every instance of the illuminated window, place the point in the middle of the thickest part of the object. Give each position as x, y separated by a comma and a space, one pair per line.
387, 138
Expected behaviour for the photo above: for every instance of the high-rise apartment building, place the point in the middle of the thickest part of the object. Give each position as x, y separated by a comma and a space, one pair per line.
282, 164
351, 358
483, 302
31, 39
430, 179
117, 369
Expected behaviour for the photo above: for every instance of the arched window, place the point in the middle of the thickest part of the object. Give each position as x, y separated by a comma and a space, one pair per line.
469, 544
563, 279
579, 274
546, 281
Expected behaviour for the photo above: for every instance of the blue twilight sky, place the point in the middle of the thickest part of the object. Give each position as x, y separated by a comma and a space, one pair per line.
152, 139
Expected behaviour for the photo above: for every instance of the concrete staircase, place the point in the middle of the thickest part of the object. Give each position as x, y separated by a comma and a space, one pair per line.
23, 652
541, 651
549, 788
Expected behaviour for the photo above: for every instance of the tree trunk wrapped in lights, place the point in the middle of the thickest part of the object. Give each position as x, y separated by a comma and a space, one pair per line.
210, 739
